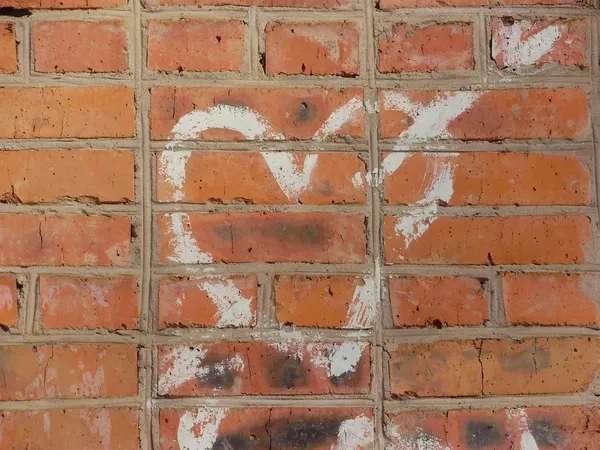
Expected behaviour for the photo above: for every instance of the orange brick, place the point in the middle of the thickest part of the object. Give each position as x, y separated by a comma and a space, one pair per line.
390, 4
269, 237
90, 429
437, 301
64, 240
510, 37
551, 298
196, 45
493, 367
61, 4
9, 301
325, 301
66, 112
283, 368
488, 115
312, 49
328, 4
330, 178
95, 302
259, 428
75, 46
68, 371
50, 176
426, 48
260, 114
208, 302
488, 240
538, 366
8, 48
504, 429
492, 179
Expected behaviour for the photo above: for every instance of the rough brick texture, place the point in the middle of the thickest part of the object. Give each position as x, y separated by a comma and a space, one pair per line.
299, 224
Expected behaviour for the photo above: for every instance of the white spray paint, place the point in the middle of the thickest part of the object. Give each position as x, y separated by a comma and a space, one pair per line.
284, 167
430, 122
99, 422
361, 311
6, 298
206, 421
338, 118
234, 310
172, 165
337, 359
186, 364
416, 222
355, 434
92, 384
357, 180
185, 247
418, 440
517, 52
519, 418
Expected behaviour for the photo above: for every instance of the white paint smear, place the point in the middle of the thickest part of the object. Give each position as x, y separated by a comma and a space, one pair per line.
361, 311
519, 418
285, 168
355, 434
6, 298
199, 429
357, 180
430, 122
518, 52
419, 440
185, 247
338, 118
337, 359
172, 166
234, 310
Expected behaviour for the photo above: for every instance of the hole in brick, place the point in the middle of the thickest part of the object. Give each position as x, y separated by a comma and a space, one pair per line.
14, 12
263, 61
218, 38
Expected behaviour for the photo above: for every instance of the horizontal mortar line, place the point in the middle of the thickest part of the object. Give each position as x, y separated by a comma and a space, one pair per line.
266, 401
58, 208
75, 271
57, 403
414, 335
244, 269
231, 8
221, 83
496, 10
483, 271
446, 404
263, 16
244, 208
476, 85
389, 145
496, 81
255, 146
261, 267
492, 211
37, 82
69, 143
166, 14
258, 334
86, 15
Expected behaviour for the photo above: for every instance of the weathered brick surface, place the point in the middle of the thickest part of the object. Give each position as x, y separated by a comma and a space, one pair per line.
72, 46
320, 224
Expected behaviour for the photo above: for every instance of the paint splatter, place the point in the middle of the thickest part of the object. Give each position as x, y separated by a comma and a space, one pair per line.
199, 429
355, 434
361, 311
234, 310
285, 168
518, 52
185, 247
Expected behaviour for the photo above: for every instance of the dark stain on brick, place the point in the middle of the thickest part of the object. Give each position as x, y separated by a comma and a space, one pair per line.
236, 441
288, 372
531, 361
302, 233
545, 433
305, 112
480, 434
304, 434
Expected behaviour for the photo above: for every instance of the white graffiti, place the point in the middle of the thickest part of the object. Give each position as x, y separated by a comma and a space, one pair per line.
233, 309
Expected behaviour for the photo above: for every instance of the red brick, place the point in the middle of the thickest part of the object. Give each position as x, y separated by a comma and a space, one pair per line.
95, 302
89, 429
566, 43
390, 4
312, 49
61, 4
487, 240
208, 302
277, 427
551, 298
196, 45
325, 301
504, 429
493, 367
539, 366
75, 46
488, 115
50, 176
68, 371
272, 114
269, 237
8, 48
9, 301
330, 178
328, 4
282, 368
491, 178
426, 48
437, 301
65, 240
66, 112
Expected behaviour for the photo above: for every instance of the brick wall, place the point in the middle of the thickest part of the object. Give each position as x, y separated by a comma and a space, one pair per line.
324, 224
